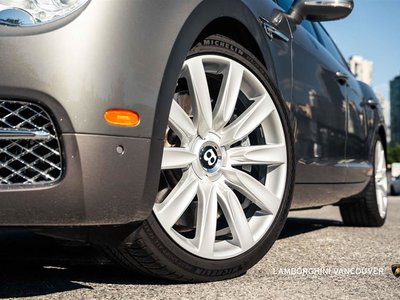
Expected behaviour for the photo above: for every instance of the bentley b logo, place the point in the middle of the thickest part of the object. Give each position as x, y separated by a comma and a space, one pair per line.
396, 270
210, 157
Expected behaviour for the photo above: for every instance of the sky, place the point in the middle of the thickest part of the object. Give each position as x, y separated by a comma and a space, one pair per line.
372, 31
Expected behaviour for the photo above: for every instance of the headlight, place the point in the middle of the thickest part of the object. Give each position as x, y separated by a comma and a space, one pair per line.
35, 12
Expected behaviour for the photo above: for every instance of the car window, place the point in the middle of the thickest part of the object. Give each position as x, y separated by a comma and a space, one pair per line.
328, 43
307, 25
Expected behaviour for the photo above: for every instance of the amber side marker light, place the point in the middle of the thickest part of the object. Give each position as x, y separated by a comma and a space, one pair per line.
122, 117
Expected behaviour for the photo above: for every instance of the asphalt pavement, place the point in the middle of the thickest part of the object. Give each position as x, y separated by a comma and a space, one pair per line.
316, 257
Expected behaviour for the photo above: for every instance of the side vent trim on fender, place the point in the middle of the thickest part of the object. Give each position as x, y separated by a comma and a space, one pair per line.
272, 32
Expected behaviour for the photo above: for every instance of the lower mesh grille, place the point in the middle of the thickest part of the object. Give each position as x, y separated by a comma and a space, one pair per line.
29, 146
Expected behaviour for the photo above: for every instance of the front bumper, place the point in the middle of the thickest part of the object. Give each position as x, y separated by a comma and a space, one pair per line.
99, 185
78, 68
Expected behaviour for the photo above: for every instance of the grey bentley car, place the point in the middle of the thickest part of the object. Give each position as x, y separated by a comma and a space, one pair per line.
174, 134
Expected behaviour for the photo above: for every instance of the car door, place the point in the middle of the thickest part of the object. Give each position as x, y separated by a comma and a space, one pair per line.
360, 123
319, 97
357, 148
356, 123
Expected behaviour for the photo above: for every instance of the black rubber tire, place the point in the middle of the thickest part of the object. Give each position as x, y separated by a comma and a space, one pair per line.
363, 210
154, 253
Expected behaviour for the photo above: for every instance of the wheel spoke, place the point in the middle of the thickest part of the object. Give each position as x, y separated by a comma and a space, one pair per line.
380, 199
198, 87
172, 208
180, 123
382, 161
249, 120
176, 158
272, 154
381, 185
379, 175
228, 95
235, 217
384, 202
379, 157
206, 219
252, 189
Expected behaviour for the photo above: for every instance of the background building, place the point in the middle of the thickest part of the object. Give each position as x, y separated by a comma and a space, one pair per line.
395, 110
386, 112
361, 68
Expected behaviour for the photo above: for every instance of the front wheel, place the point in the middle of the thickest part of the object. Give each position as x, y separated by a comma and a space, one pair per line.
227, 171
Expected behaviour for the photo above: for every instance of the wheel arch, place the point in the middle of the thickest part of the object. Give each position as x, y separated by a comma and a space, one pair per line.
231, 18
377, 131
382, 135
210, 16
235, 30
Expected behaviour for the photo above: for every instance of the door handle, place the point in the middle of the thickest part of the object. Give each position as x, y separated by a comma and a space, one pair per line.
341, 77
372, 103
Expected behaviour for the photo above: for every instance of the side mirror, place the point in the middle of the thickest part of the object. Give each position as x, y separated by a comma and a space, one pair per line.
320, 10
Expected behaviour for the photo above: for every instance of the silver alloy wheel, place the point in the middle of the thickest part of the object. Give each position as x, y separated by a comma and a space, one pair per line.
381, 183
215, 155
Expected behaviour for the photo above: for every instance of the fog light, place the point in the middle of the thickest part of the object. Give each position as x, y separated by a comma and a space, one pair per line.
122, 117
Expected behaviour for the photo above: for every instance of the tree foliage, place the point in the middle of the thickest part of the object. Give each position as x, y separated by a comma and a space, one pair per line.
393, 153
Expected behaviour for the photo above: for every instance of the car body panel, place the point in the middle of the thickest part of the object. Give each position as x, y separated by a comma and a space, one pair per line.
359, 167
128, 54
319, 107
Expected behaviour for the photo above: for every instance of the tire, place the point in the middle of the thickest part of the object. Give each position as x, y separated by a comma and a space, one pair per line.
370, 208
228, 218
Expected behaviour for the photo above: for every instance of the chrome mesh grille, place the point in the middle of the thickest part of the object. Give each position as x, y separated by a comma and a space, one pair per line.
29, 147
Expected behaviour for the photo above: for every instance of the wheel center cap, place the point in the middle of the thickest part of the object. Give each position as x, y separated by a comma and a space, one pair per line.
210, 157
